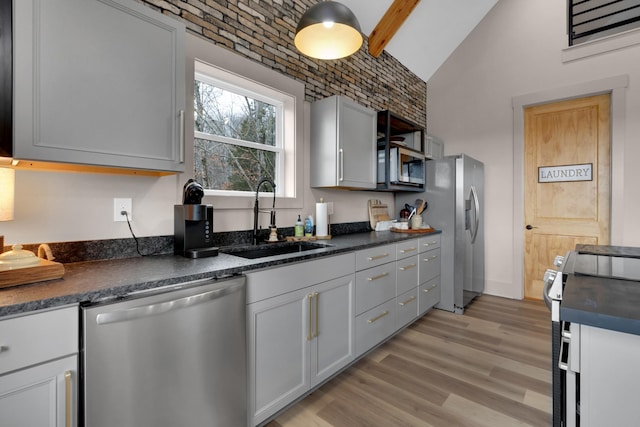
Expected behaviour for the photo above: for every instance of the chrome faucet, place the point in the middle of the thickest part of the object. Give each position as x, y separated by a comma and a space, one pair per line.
256, 208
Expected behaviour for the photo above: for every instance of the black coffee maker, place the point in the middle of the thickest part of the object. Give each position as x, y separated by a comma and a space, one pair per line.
193, 224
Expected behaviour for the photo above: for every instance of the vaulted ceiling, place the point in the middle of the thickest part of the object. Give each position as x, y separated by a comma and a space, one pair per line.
430, 33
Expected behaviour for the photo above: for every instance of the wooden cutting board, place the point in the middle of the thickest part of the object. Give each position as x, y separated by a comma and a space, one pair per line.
377, 212
46, 270
413, 230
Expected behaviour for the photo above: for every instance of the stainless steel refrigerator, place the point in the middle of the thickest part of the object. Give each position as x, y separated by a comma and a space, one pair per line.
455, 196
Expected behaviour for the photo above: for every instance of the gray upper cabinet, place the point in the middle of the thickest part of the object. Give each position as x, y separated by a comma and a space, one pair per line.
98, 82
343, 144
435, 148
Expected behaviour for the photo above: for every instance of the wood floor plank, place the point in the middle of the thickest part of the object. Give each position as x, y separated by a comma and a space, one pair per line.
490, 366
473, 392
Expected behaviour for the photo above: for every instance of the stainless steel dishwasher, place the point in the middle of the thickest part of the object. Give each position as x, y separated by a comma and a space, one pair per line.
170, 357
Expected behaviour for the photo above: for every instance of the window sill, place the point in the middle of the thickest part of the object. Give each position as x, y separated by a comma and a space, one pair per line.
604, 45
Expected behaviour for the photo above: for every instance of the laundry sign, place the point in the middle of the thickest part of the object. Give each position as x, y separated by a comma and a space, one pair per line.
583, 172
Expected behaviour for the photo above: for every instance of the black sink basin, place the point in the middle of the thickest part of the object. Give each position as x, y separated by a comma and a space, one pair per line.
271, 249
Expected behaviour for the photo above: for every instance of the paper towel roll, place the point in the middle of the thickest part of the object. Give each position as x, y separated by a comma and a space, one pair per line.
322, 220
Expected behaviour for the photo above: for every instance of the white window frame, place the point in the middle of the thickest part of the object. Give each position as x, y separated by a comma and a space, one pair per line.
242, 74
222, 79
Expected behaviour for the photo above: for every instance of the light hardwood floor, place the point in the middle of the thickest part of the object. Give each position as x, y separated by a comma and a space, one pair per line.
488, 367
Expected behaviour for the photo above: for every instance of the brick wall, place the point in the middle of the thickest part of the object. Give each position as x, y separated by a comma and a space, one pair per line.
264, 31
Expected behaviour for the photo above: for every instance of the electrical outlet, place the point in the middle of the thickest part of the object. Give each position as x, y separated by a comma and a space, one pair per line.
120, 205
329, 208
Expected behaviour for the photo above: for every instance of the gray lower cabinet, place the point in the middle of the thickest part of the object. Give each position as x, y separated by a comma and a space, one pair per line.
429, 273
343, 144
609, 376
39, 369
375, 296
300, 330
98, 82
407, 267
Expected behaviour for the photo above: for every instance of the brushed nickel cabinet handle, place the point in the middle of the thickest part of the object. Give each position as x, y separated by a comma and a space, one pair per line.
435, 242
373, 258
408, 267
378, 317
432, 287
341, 177
67, 397
310, 334
404, 251
379, 276
317, 297
403, 303
181, 136
431, 258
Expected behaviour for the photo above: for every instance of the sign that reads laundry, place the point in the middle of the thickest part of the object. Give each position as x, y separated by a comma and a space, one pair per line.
565, 173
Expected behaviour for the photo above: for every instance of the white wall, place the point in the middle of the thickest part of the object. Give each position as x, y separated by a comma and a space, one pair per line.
62, 207
517, 51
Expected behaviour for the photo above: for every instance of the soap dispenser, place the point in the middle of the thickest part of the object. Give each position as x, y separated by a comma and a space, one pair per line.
298, 230
308, 226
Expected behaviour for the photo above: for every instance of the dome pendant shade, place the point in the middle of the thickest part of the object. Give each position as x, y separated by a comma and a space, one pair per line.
328, 30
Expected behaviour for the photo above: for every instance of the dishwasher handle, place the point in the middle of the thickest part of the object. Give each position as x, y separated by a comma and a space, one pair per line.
166, 306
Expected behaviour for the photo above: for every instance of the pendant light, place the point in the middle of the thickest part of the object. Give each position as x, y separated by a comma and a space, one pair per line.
328, 30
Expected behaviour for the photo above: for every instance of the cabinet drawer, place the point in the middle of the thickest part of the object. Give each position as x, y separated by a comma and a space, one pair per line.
271, 282
429, 265
36, 338
429, 242
407, 307
407, 274
375, 286
374, 326
428, 295
372, 257
406, 249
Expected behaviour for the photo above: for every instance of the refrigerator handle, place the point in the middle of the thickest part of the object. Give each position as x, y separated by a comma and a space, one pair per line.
474, 233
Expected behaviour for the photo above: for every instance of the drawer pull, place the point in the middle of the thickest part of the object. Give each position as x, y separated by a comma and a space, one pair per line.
379, 276
67, 397
378, 317
4, 348
430, 288
430, 258
435, 242
403, 303
373, 258
404, 251
408, 267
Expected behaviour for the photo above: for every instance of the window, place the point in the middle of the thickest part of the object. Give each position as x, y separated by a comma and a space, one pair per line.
237, 133
247, 121
594, 19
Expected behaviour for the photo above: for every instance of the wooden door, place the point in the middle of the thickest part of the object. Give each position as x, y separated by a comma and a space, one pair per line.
567, 179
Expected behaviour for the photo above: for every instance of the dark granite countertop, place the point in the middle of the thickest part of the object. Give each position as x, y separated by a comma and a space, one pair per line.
602, 302
93, 281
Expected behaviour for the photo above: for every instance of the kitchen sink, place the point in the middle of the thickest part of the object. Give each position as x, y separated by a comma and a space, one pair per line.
271, 249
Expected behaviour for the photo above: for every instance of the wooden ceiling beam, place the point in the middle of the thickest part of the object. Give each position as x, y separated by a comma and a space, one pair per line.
389, 24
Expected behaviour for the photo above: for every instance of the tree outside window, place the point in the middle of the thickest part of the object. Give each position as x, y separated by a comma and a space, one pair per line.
237, 138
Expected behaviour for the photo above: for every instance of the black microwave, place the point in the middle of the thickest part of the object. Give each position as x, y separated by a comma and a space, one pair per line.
6, 79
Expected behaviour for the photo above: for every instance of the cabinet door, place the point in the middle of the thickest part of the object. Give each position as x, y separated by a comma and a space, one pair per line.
343, 144
357, 146
435, 148
44, 395
333, 345
98, 82
406, 274
609, 376
278, 352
